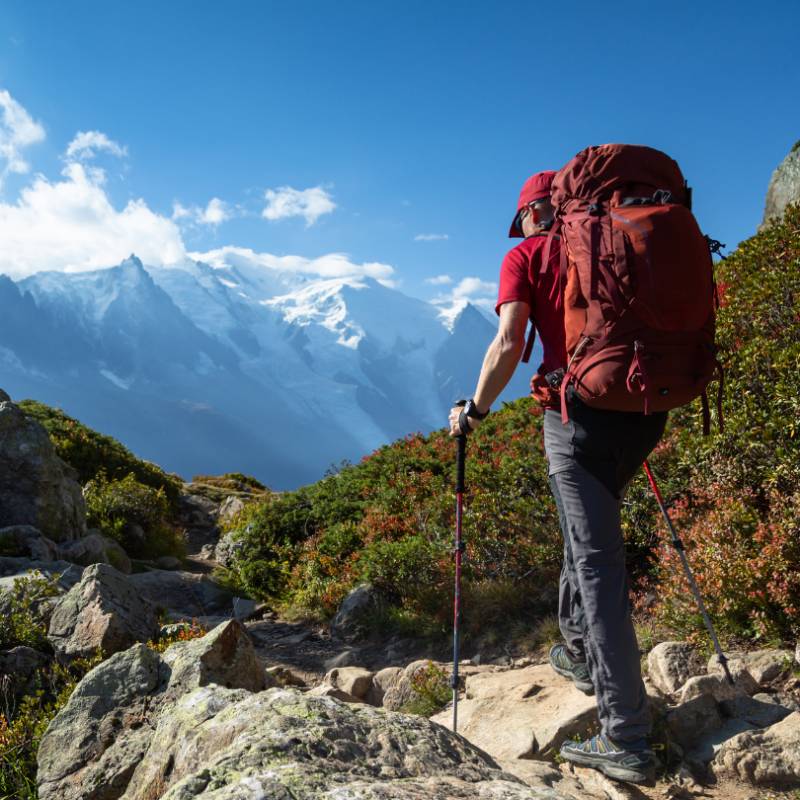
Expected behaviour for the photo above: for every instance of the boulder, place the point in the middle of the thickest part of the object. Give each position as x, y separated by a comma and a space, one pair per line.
694, 719
95, 743
705, 747
173, 590
351, 619
4, 398
784, 188
21, 665
168, 562
103, 611
326, 690
353, 680
400, 694
280, 744
85, 551
521, 713
757, 756
718, 685
387, 678
117, 557
347, 658
245, 609
211, 593
36, 487
758, 712
230, 508
228, 551
224, 656
763, 665
29, 542
670, 665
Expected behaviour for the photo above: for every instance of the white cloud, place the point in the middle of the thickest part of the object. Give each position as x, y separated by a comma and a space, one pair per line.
439, 280
334, 265
87, 144
430, 237
474, 290
17, 130
215, 213
179, 212
287, 202
70, 225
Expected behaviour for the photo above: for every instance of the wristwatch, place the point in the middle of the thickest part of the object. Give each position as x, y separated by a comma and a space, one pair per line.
470, 410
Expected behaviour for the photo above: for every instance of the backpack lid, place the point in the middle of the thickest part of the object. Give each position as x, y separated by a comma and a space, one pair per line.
599, 171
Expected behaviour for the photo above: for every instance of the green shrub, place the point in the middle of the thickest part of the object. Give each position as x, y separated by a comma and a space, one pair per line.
8, 547
21, 621
114, 506
91, 453
432, 686
235, 481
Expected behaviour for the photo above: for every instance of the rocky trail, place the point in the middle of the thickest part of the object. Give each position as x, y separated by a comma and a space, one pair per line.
267, 707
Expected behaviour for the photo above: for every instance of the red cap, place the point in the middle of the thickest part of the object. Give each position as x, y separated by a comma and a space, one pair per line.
535, 188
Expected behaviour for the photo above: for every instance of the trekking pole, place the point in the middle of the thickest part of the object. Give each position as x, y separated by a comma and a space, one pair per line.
459, 548
678, 545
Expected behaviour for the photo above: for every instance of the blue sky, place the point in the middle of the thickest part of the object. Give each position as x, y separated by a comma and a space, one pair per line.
386, 121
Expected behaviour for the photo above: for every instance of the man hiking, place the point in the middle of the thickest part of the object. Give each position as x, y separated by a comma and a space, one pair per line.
591, 461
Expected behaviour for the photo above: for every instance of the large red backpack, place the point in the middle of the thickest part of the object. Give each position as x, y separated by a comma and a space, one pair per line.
638, 283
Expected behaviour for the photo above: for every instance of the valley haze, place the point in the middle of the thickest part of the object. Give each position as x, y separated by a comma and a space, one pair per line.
238, 366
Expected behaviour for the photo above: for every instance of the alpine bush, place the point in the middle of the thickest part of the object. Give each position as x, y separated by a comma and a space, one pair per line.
90, 453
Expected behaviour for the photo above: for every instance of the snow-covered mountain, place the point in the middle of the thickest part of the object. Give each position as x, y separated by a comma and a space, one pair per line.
239, 367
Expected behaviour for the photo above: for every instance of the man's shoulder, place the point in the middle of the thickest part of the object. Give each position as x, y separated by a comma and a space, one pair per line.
528, 249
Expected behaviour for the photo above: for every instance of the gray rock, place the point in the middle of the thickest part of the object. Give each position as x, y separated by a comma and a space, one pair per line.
756, 712
763, 665
21, 665
694, 719
4, 398
719, 686
169, 562
706, 747
348, 751
230, 508
173, 590
95, 743
353, 680
670, 665
29, 542
224, 656
117, 557
92, 746
347, 658
228, 551
388, 678
355, 610
759, 755
103, 611
400, 694
85, 551
783, 700
36, 487
245, 609
210, 593
784, 188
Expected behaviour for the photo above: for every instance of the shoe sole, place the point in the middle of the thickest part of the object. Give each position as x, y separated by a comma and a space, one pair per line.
582, 686
615, 771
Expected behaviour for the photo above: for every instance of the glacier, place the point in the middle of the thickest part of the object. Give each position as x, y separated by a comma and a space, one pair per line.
237, 366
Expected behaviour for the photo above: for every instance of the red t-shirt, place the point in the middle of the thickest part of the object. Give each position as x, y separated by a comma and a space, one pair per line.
522, 277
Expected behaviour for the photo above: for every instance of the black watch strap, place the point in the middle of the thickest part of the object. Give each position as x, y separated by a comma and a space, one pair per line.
469, 410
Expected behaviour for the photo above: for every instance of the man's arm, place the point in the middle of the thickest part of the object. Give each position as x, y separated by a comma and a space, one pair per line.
500, 361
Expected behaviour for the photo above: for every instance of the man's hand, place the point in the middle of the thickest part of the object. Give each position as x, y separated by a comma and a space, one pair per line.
455, 428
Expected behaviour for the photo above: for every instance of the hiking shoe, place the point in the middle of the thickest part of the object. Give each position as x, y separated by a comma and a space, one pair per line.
634, 766
563, 665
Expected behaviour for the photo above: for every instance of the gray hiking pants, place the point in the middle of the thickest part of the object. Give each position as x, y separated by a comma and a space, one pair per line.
591, 461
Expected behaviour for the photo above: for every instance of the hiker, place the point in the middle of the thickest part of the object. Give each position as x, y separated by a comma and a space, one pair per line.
591, 461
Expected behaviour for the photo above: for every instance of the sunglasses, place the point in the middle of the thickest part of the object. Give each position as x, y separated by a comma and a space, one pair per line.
521, 216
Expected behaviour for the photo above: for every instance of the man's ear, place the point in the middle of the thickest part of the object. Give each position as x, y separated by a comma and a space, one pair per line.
535, 215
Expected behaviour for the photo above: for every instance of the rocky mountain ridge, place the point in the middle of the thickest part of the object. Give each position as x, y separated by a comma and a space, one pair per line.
239, 366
